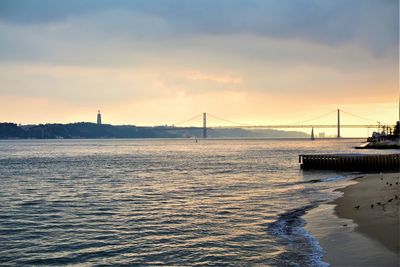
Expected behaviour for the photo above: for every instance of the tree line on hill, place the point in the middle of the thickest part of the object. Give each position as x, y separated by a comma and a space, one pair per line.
92, 130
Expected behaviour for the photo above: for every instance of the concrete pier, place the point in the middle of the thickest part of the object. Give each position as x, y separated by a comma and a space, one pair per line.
351, 162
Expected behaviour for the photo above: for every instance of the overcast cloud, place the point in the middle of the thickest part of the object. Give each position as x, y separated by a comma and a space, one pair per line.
110, 53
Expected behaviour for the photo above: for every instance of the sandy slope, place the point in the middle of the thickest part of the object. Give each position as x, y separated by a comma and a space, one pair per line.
380, 221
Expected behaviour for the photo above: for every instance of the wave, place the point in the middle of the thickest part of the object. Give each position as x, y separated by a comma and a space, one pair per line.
331, 179
302, 249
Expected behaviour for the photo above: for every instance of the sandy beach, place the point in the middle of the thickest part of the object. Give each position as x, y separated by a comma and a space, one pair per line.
378, 198
360, 228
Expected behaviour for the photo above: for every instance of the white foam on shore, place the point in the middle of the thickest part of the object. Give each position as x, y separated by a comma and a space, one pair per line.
317, 251
290, 227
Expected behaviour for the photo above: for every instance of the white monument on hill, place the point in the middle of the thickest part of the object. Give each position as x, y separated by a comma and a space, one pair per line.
98, 118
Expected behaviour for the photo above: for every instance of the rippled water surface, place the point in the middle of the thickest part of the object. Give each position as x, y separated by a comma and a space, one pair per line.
159, 202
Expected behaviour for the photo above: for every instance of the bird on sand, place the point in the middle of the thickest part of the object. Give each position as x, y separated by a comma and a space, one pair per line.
379, 203
372, 205
390, 200
357, 207
390, 184
396, 196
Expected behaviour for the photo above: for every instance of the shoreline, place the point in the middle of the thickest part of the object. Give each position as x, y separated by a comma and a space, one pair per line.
351, 231
371, 217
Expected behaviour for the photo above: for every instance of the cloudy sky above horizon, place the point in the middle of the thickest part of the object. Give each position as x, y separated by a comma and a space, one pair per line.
160, 62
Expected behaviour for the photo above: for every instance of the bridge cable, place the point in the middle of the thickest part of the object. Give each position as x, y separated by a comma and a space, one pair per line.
359, 117
182, 122
312, 119
218, 118
243, 124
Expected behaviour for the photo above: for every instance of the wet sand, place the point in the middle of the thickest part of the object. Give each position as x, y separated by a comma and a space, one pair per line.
380, 221
363, 236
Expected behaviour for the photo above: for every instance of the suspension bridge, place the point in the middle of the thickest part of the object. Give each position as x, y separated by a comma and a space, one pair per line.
296, 125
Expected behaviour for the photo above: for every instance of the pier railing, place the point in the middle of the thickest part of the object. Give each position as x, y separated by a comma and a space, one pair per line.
351, 162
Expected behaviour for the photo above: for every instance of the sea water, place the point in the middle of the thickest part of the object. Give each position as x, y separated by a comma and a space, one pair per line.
161, 202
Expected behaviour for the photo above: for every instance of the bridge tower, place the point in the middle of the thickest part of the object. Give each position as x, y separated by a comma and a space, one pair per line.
338, 123
204, 125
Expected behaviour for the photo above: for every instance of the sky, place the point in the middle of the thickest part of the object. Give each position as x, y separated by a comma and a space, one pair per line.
163, 61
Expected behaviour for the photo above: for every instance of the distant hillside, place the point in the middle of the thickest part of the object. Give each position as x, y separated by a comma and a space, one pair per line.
92, 130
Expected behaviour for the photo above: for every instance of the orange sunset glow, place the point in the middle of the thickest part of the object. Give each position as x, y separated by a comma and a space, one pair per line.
141, 67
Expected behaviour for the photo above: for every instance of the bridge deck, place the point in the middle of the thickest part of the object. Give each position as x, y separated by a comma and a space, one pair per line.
309, 126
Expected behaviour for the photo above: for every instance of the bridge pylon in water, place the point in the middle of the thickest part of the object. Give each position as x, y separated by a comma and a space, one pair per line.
338, 123
204, 125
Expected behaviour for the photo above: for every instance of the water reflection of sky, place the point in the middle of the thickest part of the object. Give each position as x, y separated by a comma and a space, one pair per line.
161, 201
